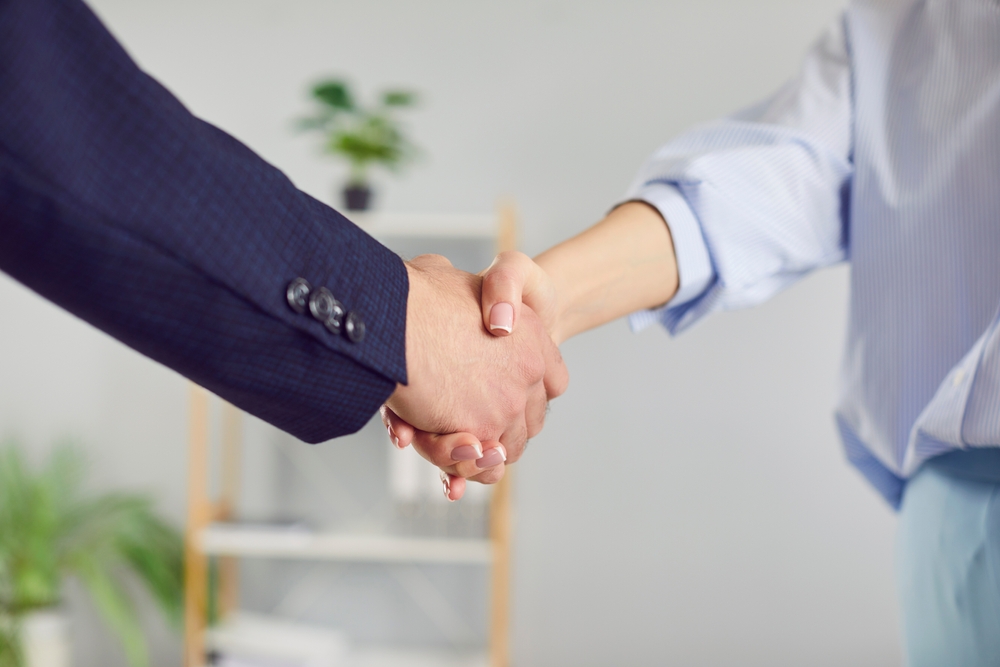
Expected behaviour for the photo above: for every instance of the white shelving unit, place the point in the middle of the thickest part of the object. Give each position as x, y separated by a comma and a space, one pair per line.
208, 535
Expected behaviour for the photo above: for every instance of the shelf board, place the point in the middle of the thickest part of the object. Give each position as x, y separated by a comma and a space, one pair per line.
262, 542
375, 657
389, 657
428, 225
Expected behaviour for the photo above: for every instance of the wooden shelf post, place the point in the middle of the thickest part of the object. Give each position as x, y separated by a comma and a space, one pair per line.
232, 439
199, 517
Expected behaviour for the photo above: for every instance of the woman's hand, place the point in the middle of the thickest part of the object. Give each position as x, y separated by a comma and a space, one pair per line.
514, 279
460, 456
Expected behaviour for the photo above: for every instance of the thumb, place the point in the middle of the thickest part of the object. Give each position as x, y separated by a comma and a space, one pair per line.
509, 279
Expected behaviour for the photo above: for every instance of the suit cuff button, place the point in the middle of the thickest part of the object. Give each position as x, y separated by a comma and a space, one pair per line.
297, 294
335, 322
355, 327
321, 304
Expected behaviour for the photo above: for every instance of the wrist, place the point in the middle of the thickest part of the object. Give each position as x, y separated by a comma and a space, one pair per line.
417, 284
559, 322
622, 264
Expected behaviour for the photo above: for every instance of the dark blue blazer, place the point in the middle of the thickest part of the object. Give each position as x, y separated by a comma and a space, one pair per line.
162, 230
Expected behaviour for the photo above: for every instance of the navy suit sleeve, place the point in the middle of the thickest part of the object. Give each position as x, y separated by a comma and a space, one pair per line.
160, 229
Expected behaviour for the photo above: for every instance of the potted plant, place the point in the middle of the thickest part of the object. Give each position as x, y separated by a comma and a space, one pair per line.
364, 136
49, 530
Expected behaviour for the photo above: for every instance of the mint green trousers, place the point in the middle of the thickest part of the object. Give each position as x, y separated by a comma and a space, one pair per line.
948, 562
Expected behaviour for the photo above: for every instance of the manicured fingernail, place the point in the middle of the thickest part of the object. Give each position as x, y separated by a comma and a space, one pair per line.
467, 453
492, 457
446, 483
392, 437
502, 317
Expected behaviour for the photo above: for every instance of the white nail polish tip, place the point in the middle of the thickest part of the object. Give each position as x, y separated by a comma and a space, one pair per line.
494, 327
503, 451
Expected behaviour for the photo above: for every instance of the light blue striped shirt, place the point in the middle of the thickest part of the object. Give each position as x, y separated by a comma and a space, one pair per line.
884, 151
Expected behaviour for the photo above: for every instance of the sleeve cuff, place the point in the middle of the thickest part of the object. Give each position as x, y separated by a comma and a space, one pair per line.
694, 264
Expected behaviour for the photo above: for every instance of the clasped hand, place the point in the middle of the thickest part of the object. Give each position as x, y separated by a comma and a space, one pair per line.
480, 377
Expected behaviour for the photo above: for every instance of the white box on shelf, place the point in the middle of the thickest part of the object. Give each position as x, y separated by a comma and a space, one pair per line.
256, 639
408, 474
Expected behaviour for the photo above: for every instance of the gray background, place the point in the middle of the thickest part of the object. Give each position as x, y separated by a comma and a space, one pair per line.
688, 502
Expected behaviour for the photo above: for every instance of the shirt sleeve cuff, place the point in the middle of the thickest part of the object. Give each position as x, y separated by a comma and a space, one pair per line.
694, 263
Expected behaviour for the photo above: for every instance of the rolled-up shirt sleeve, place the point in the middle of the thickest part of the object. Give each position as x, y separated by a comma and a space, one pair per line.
694, 265
757, 200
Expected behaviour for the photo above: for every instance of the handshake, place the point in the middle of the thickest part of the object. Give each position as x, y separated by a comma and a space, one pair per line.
482, 351
482, 368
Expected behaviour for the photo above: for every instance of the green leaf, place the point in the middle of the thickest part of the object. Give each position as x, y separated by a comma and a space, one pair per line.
115, 607
49, 530
399, 98
364, 136
335, 94
11, 654
312, 123
155, 552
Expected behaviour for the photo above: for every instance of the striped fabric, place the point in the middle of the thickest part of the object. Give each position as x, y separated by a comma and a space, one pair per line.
884, 151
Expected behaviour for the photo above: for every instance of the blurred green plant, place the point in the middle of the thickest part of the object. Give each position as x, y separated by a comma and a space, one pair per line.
50, 529
365, 136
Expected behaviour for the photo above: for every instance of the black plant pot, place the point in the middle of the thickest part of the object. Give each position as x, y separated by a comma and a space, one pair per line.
357, 196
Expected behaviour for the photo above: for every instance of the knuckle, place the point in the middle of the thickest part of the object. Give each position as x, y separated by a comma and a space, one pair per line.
533, 368
440, 456
428, 448
514, 454
431, 259
501, 280
510, 405
515, 450
514, 445
559, 388
512, 257
536, 427
559, 385
491, 476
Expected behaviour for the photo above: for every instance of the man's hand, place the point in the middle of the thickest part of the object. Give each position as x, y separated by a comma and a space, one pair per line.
490, 391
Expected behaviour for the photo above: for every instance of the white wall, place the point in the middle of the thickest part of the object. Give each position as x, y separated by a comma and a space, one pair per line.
688, 503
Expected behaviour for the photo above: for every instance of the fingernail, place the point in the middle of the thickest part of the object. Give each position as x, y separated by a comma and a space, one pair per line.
446, 483
492, 457
392, 437
502, 317
467, 453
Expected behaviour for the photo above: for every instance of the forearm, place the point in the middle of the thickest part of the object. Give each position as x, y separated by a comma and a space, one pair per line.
622, 264
119, 205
